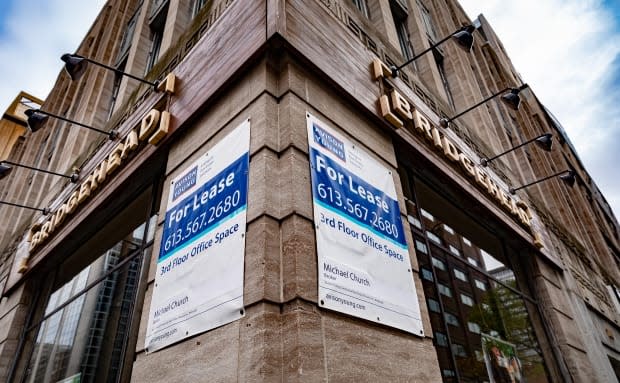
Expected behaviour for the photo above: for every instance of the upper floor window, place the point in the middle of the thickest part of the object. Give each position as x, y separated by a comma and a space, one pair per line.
197, 6
427, 215
433, 305
448, 373
361, 5
127, 38
473, 261
157, 25
116, 87
421, 247
473, 327
451, 319
448, 229
438, 263
439, 60
454, 250
460, 275
400, 23
467, 300
441, 339
428, 22
459, 350
481, 285
414, 221
433, 237
445, 290
427, 274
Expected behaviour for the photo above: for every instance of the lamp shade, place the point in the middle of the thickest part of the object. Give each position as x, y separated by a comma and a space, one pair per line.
465, 38
74, 65
35, 120
512, 99
545, 141
568, 178
4, 170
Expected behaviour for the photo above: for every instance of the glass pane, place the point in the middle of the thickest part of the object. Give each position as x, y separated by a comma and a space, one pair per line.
403, 37
433, 237
427, 274
433, 305
87, 331
441, 339
460, 275
198, 4
421, 247
414, 221
428, 22
445, 290
361, 5
454, 250
499, 327
480, 284
439, 264
427, 215
479, 312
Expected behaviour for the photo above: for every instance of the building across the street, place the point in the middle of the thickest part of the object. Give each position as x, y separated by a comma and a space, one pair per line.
299, 191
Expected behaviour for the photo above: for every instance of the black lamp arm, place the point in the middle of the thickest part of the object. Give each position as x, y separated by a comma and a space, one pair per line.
478, 104
153, 84
395, 69
487, 160
33, 168
111, 134
513, 190
44, 211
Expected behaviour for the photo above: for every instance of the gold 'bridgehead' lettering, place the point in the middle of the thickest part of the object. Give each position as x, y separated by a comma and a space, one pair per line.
153, 128
399, 111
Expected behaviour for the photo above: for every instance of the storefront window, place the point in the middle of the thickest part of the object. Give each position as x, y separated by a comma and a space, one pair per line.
480, 316
85, 327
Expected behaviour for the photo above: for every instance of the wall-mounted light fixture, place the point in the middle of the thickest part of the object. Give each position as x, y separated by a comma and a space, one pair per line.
5, 169
463, 37
45, 211
544, 141
567, 176
76, 65
38, 117
510, 97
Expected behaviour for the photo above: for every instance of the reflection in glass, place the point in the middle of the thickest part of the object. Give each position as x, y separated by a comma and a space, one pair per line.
478, 289
503, 313
85, 335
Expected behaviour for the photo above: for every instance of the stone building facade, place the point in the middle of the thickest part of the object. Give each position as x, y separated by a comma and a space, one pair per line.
532, 275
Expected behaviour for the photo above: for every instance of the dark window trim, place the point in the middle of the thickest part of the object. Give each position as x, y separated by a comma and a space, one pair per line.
361, 6
155, 184
139, 251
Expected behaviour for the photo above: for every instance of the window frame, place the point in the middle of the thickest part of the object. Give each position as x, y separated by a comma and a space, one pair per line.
362, 7
146, 191
157, 26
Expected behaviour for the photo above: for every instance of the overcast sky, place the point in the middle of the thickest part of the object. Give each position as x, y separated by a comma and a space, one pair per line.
567, 50
569, 53
33, 36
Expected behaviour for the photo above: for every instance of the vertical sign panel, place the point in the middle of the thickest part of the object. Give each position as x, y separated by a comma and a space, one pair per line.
363, 259
199, 281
